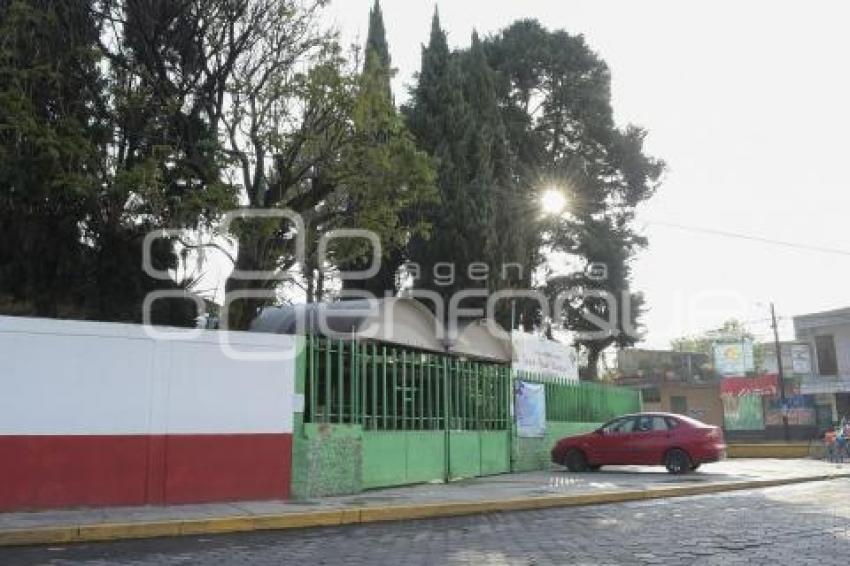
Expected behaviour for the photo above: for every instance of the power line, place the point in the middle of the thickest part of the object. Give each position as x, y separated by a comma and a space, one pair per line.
749, 237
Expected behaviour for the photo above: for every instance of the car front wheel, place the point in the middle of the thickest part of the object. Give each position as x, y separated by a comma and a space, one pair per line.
678, 461
575, 461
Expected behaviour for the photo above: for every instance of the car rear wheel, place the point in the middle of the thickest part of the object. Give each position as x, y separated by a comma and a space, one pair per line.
575, 461
678, 461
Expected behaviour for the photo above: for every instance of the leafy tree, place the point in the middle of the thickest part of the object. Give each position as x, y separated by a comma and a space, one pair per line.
504, 231
167, 64
556, 93
376, 42
454, 115
48, 151
138, 93
731, 330
386, 177
383, 166
327, 144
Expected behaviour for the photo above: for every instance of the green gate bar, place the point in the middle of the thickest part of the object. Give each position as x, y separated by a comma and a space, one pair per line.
383, 388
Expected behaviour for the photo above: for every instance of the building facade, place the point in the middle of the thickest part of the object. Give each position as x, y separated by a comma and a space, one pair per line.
674, 382
828, 336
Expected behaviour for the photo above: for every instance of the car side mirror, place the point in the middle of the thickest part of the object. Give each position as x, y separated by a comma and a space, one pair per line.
599, 431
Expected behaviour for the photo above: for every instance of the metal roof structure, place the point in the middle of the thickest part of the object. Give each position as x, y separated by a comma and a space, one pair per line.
395, 320
475, 340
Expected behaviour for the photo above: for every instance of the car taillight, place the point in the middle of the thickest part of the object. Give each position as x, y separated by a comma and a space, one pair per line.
714, 434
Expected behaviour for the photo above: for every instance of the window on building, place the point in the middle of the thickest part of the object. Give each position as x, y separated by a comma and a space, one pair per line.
651, 395
827, 363
679, 404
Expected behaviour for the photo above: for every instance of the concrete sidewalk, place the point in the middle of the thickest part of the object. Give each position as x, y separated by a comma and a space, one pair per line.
533, 490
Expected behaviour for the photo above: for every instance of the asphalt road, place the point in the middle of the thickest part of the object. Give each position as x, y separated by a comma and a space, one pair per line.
795, 525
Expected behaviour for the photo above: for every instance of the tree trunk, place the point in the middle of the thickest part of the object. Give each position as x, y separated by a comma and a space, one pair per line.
241, 311
591, 372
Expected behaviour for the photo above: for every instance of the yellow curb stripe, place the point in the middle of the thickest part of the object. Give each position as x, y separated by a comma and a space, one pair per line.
97, 532
767, 450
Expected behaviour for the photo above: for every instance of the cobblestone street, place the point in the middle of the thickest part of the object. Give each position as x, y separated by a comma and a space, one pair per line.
802, 524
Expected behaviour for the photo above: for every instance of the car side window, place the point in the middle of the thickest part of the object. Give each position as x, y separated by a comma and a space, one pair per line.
644, 424
659, 424
625, 426
671, 422
612, 426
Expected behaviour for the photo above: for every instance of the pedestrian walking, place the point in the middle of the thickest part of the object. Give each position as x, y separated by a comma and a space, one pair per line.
829, 444
840, 445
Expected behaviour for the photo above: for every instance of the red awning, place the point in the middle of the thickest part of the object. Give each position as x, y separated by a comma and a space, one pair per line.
759, 385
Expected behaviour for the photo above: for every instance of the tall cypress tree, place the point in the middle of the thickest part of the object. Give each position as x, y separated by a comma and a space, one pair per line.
503, 219
383, 167
376, 40
455, 115
377, 50
425, 114
485, 146
440, 118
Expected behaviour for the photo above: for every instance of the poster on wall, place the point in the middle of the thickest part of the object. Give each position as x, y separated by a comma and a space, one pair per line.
800, 410
801, 359
538, 355
735, 358
530, 406
796, 359
743, 412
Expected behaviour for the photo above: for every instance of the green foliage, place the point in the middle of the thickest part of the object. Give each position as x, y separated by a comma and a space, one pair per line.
383, 176
555, 92
505, 119
731, 330
345, 161
377, 50
117, 118
48, 152
455, 115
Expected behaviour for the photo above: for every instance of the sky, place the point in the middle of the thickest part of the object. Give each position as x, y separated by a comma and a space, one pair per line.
749, 105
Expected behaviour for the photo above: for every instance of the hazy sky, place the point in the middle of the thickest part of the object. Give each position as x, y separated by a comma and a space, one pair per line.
749, 104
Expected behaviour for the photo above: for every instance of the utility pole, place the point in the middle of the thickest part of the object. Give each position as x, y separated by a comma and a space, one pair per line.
781, 374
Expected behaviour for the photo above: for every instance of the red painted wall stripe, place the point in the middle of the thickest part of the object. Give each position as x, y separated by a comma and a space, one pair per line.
69, 471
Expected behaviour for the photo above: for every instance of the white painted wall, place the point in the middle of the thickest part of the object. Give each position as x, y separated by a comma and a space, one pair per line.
75, 378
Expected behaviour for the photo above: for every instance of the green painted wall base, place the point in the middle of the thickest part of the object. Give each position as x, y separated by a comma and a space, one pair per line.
327, 460
464, 454
403, 457
495, 453
530, 454
344, 459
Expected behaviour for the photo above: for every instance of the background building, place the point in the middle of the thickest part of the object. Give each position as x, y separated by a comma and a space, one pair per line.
828, 336
676, 382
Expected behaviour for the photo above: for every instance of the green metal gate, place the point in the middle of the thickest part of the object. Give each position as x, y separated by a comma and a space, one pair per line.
425, 416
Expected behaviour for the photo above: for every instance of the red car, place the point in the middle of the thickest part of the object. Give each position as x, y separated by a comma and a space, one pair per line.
678, 442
